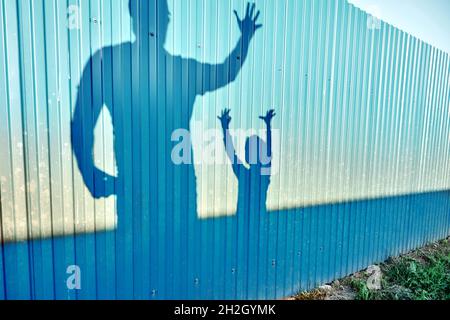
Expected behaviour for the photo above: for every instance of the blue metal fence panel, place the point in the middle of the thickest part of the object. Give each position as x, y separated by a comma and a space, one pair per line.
99, 97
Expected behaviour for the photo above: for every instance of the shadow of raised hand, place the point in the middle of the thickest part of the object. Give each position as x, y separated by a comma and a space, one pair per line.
248, 25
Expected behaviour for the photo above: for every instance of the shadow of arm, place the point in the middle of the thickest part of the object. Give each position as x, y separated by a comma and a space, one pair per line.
85, 117
220, 75
231, 152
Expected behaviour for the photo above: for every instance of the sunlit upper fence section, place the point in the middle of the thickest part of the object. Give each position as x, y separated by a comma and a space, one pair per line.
363, 108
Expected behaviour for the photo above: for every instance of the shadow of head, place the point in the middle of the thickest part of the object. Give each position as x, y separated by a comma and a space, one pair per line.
140, 11
256, 153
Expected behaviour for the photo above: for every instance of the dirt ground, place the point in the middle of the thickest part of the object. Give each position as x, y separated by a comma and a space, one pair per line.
350, 287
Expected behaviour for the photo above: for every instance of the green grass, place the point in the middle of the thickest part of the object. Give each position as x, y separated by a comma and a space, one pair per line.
422, 275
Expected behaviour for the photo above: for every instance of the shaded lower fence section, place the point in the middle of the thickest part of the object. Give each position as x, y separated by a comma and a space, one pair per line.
255, 257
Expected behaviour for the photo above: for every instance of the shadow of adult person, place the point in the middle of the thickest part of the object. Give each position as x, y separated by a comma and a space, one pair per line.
149, 94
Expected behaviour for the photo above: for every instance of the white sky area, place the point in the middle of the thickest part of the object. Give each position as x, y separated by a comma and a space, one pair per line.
428, 20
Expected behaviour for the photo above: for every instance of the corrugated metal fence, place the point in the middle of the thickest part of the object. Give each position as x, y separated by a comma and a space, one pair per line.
99, 106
